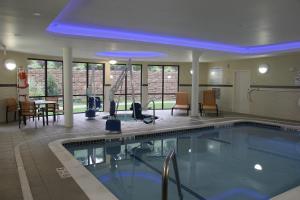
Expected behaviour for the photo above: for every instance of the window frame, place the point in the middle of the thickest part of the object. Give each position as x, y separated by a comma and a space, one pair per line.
62, 95
163, 82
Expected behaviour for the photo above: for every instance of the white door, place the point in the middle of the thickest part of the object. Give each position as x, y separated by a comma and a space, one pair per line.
241, 87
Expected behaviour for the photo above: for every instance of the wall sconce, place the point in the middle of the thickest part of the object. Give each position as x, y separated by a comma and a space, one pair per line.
263, 68
9, 64
191, 72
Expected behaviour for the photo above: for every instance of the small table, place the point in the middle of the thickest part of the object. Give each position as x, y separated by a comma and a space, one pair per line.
47, 103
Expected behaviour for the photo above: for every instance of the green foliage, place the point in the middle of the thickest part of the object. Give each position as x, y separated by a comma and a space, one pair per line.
155, 68
35, 89
52, 86
36, 64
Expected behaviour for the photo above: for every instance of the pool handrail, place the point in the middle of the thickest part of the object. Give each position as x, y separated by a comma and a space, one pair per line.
165, 175
153, 116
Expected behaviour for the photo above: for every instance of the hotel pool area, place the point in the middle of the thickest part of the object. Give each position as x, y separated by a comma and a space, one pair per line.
247, 161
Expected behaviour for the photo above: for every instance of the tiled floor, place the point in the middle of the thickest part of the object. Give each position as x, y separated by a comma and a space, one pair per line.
40, 163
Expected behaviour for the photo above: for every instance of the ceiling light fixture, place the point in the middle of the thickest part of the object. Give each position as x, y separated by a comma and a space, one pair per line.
112, 62
37, 14
119, 34
130, 54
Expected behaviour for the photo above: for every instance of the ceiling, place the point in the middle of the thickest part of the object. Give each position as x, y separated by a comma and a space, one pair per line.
235, 22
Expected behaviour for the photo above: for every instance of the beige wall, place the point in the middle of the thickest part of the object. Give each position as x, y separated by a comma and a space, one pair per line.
277, 102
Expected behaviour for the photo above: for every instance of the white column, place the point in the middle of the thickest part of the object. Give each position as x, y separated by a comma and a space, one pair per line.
195, 84
144, 87
68, 87
107, 87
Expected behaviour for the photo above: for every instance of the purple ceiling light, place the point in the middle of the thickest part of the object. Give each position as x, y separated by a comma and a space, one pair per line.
130, 54
58, 26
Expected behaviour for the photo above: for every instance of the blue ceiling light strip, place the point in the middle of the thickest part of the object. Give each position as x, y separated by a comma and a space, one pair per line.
131, 54
104, 33
85, 31
59, 27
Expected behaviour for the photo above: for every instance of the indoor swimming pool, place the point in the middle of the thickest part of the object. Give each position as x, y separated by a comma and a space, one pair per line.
246, 161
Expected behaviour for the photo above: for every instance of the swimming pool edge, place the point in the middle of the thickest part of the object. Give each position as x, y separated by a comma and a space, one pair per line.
94, 189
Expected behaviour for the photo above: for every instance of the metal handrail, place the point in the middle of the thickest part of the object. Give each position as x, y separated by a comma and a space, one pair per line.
153, 116
165, 175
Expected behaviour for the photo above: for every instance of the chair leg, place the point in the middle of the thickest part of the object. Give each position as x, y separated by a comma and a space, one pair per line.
35, 122
6, 117
24, 120
19, 121
172, 111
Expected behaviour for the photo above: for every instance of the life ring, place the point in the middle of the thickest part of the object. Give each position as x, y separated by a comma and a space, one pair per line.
23, 80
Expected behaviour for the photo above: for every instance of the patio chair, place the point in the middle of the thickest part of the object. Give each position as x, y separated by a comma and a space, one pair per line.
29, 110
54, 108
209, 102
11, 106
182, 102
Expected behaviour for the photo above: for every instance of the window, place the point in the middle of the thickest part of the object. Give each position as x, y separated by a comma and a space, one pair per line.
54, 78
123, 95
96, 80
162, 85
36, 78
52, 71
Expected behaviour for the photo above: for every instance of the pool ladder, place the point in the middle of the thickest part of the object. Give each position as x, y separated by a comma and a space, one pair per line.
165, 175
153, 116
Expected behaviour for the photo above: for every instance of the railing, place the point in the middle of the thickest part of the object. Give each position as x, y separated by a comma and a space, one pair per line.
153, 116
165, 176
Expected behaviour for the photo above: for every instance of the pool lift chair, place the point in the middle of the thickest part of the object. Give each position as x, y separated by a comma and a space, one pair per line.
94, 103
113, 124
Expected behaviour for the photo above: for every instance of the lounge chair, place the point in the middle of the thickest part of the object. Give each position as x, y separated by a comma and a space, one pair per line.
182, 102
209, 102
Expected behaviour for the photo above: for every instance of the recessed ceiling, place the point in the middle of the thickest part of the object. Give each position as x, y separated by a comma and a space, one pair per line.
234, 22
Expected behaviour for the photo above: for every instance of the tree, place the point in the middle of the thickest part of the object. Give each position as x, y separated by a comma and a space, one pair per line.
52, 86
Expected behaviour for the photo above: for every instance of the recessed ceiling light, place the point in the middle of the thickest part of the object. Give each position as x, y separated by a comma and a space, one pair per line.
112, 62
37, 14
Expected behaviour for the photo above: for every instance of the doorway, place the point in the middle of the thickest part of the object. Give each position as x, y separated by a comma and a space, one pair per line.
241, 88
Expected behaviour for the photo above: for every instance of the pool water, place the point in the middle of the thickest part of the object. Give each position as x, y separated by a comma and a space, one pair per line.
243, 162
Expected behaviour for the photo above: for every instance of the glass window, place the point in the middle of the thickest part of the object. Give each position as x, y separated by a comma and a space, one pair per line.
54, 78
97, 79
162, 85
125, 91
79, 78
36, 77
79, 104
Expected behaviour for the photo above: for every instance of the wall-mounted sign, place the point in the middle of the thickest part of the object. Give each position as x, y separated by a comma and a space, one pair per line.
297, 78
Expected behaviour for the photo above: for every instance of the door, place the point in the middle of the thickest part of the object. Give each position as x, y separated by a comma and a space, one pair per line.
241, 85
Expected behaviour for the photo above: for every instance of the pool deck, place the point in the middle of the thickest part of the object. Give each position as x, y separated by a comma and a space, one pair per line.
26, 152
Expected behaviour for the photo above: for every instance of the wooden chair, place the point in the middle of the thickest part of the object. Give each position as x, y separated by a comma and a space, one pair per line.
28, 109
182, 102
54, 108
11, 106
209, 102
